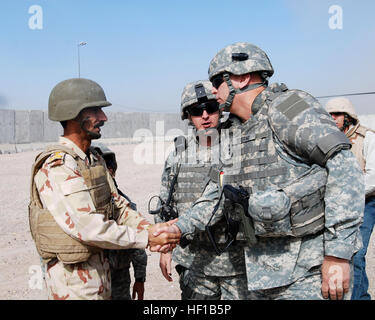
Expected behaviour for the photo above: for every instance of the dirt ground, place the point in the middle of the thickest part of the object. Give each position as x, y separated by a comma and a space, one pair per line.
19, 261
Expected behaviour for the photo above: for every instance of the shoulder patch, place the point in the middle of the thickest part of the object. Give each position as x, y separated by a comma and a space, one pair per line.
56, 159
293, 106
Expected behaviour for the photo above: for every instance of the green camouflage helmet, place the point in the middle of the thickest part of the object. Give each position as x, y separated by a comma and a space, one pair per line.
195, 92
240, 58
71, 96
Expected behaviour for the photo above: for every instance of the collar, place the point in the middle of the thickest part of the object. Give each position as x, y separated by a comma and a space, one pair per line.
69, 143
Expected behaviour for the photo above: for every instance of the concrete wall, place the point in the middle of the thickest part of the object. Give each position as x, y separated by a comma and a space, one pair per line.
27, 128
30, 129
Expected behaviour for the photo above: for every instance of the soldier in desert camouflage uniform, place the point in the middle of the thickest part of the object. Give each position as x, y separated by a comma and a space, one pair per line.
203, 274
120, 260
306, 188
75, 210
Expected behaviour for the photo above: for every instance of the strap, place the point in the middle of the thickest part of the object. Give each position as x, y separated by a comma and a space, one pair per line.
261, 135
251, 148
255, 175
259, 161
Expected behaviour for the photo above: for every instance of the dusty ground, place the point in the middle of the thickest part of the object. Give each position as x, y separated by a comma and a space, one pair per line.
18, 257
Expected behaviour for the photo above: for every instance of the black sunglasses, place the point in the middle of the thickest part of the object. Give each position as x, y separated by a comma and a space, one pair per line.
217, 81
210, 107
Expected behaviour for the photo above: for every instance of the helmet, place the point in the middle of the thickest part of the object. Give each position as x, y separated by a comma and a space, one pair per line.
341, 105
71, 96
195, 92
240, 58
107, 154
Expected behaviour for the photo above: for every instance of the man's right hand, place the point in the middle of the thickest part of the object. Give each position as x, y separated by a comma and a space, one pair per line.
165, 265
161, 235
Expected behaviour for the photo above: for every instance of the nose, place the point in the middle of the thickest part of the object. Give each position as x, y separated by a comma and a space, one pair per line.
102, 116
205, 114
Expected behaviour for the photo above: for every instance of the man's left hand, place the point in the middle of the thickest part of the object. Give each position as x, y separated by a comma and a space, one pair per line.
138, 290
335, 278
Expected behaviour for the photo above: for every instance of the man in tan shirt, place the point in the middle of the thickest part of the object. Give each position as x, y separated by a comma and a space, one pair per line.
75, 210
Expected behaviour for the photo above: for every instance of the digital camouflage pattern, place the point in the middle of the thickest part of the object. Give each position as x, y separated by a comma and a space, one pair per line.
189, 96
223, 62
119, 261
63, 191
199, 256
277, 262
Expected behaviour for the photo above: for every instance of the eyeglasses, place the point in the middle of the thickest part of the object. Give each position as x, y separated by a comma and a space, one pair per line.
210, 107
217, 81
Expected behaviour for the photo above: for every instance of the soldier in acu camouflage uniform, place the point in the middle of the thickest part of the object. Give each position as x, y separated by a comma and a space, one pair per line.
306, 188
120, 260
75, 210
195, 161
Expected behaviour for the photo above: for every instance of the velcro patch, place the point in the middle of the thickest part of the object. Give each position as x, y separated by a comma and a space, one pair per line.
56, 159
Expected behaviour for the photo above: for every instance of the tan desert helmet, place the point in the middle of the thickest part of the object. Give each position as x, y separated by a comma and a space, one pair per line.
341, 105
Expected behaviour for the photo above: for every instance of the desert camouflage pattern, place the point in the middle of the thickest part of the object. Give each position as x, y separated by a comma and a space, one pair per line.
120, 261
257, 60
199, 256
189, 96
64, 193
277, 262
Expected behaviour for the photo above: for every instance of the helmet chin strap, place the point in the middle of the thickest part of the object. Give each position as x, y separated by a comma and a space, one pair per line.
232, 91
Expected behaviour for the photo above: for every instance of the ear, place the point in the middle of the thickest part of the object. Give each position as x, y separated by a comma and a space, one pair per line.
244, 80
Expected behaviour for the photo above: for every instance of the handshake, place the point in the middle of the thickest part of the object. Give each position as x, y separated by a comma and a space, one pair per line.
163, 237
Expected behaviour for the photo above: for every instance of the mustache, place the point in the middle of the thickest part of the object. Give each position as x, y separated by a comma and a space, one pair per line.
100, 124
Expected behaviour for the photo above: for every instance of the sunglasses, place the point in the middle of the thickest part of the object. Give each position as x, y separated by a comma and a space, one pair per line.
217, 81
210, 107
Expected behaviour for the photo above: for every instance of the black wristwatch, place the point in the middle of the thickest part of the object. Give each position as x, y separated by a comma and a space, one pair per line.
143, 279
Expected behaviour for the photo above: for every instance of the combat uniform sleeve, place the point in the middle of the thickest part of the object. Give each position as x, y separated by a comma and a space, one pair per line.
308, 132
139, 262
345, 203
197, 217
64, 193
369, 155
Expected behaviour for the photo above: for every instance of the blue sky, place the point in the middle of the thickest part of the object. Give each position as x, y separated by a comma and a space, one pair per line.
143, 52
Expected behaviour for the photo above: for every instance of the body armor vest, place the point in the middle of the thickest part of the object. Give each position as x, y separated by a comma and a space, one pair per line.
51, 241
192, 180
286, 195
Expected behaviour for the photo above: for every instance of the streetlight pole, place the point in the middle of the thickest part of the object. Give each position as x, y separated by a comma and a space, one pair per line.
79, 58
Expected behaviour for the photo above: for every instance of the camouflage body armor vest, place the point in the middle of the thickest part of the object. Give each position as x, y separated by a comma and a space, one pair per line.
50, 240
286, 194
192, 180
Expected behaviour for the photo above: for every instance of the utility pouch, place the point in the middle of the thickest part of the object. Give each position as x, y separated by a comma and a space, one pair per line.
294, 209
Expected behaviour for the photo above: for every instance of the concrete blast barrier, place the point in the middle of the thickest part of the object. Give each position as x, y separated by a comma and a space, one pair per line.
7, 126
